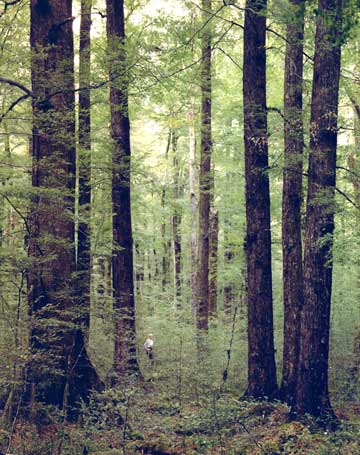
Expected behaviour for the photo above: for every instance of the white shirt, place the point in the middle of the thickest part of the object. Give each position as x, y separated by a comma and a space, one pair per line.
148, 343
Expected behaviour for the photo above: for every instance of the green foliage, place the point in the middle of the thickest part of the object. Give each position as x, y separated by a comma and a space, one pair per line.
179, 407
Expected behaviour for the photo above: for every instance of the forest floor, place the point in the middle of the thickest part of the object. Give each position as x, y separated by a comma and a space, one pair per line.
158, 420
227, 425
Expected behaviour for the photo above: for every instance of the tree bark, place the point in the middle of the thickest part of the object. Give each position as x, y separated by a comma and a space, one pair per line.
176, 218
213, 261
261, 357
125, 360
166, 243
202, 292
192, 197
165, 263
60, 372
292, 200
84, 168
312, 385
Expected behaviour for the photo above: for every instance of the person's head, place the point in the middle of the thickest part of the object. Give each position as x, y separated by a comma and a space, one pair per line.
150, 336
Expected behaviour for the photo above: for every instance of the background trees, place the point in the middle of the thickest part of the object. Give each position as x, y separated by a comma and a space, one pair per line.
130, 221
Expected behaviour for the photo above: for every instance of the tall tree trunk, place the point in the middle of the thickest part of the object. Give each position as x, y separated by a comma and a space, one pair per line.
213, 261
123, 282
84, 163
165, 263
165, 239
192, 197
292, 199
312, 387
261, 357
176, 219
202, 292
60, 372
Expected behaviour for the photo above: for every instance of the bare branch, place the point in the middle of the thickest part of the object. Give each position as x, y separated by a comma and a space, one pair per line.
230, 57
347, 198
23, 217
22, 87
349, 171
7, 4
12, 106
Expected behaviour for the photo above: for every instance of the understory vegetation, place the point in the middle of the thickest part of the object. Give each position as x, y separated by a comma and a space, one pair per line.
184, 174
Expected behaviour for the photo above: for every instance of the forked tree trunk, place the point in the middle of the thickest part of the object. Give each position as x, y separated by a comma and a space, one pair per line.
202, 291
292, 199
125, 360
261, 357
60, 372
84, 168
312, 385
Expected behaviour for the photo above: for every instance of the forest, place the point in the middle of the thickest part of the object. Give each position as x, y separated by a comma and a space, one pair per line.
179, 227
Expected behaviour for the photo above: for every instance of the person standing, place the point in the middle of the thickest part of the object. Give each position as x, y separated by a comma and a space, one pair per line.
148, 345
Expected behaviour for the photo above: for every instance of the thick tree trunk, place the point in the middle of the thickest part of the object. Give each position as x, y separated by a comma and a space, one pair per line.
261, 357
122, 267
202, 291
213, 262
192, 197
292, 199
176, 219
60, 372
84, 167
312, 387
